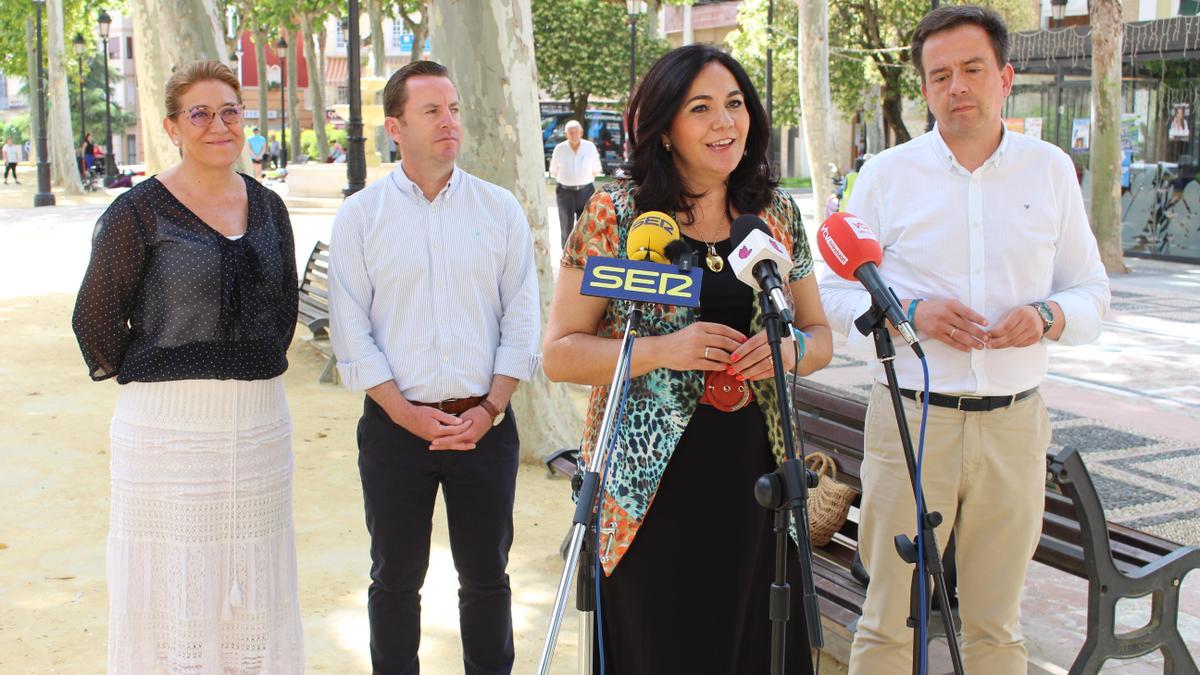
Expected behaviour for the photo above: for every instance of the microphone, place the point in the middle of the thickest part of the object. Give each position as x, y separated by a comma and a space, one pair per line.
649, 236
852, 251
760, 261
657, 268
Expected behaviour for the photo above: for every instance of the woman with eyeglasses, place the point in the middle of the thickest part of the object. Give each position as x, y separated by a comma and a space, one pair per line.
190, 301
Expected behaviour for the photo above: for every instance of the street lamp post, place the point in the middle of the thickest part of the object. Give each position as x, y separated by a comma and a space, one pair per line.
1057, 9
356, 158
79, 44
110, 162
281, 46
634, 8
43, 197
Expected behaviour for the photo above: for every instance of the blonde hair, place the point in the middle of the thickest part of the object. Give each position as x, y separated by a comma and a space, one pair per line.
183, 77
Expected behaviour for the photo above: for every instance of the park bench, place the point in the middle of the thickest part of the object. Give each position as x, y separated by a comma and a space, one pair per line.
1117, 561
314, 306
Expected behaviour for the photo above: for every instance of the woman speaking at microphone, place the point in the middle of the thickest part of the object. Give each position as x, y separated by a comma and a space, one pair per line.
687, 553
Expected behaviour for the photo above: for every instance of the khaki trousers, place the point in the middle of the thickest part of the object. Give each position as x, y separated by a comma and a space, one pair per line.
985, 473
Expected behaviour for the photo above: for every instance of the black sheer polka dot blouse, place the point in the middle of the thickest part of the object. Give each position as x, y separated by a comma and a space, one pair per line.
166, 297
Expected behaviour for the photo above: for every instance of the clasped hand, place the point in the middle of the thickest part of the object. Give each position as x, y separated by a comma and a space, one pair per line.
713, 346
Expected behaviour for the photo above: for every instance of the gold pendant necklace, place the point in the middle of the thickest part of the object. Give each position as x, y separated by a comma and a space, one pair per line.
713, 260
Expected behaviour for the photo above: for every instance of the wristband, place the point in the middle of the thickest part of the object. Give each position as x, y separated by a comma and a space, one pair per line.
912, 312
800, 335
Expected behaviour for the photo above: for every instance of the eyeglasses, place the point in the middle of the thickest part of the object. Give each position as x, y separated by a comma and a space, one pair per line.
201, 116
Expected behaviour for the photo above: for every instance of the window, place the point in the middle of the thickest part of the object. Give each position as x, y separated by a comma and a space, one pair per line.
343, 94
341, 39
114, 47
131, 149
397, 34
129, 47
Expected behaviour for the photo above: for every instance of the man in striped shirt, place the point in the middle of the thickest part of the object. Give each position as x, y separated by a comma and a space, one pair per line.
434, 314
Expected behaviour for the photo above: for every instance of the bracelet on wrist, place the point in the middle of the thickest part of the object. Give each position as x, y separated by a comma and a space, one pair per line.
912, 311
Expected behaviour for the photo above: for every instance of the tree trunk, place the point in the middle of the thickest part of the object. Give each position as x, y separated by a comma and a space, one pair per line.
34, 101
58, 119
375, 14
893, 112
157, 51
816, 114
420, 31
579, 105
874, 121
293, 97
1104, 161
322, 37
315, 87
264, 88
489, 49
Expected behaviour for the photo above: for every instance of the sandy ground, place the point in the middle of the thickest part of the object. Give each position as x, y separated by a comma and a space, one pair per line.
54, 516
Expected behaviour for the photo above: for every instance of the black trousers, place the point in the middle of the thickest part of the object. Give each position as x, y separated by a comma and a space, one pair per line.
570, 205
400, 479
10, 166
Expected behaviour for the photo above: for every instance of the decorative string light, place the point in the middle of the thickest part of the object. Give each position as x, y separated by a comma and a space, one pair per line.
1176, 34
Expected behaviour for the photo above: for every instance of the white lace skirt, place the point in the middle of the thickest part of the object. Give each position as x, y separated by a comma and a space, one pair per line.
201, 546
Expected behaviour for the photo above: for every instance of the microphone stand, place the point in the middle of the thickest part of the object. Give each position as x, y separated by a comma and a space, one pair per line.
587, 486
874, 322
785, 491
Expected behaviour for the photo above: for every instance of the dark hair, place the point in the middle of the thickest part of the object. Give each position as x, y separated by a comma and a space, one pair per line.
953, 16
395, 92
652, 111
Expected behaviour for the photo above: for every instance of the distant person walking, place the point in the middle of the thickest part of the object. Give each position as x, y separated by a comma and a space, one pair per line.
88, 150
12, 155
258, 150
574, 165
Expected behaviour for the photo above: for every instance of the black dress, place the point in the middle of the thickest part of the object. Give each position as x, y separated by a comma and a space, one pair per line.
690, 594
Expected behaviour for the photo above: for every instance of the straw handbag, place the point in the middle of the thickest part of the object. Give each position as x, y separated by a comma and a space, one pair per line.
829, 502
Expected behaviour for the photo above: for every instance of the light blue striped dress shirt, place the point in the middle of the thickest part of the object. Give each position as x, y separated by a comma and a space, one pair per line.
437, 295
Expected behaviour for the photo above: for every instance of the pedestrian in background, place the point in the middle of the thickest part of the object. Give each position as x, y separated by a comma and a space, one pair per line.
574, 165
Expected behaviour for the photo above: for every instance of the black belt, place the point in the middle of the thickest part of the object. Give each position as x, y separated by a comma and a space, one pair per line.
970, 403
574, 188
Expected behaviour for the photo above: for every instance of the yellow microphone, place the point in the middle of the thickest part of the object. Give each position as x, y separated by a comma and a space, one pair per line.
649, 236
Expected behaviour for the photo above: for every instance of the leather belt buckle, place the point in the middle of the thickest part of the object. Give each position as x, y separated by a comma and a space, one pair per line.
965, 398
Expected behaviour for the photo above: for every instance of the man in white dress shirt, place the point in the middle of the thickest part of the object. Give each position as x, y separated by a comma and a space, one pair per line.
985, 231
434, 313
574, 166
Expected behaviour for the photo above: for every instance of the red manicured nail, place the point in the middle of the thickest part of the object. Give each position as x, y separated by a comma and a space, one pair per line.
741, 378
734, 358
728, 370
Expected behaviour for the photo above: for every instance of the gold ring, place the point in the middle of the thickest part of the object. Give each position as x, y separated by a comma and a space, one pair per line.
706, 352
953, 330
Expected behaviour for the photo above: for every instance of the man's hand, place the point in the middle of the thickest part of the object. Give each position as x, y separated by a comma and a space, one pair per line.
474, 423
1021, 327
952, 323
428, 422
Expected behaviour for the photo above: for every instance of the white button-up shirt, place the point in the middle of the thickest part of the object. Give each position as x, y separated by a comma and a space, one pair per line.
1009, 233
575, 167
437, 295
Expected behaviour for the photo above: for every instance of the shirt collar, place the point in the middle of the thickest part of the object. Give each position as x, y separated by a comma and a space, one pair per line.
946, 155
406, 186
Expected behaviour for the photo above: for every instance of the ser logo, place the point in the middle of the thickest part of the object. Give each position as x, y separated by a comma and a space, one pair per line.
641, 281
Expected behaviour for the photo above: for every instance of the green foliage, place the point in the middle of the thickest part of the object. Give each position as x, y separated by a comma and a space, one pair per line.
308, 141
93, 98
869, 39
579, 53
749, 44
79, 16
17, 129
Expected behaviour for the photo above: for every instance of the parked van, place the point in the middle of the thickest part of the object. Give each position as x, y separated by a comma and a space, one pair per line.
603, 128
